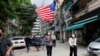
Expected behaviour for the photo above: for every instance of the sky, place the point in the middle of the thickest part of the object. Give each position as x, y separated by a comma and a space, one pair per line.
40, 2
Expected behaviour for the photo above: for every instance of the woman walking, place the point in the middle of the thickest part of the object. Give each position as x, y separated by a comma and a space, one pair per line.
49, 44
73, 45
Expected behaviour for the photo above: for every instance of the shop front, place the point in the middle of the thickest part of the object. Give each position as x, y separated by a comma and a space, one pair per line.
86, 30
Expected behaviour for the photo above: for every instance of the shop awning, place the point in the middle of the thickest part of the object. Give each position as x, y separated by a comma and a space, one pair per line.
73, 27
81, 24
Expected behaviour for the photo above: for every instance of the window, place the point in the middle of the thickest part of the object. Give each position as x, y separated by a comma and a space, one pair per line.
97, 40
17, 38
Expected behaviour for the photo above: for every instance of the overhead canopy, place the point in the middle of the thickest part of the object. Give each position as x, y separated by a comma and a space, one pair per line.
81, 24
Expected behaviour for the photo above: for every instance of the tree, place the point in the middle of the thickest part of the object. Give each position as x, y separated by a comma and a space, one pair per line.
8, 9
27, 17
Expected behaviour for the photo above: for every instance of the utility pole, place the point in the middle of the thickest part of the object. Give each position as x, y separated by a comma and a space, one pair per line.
43, 3
59, 16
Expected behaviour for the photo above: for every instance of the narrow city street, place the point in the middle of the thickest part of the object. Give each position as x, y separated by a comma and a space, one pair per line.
60, 50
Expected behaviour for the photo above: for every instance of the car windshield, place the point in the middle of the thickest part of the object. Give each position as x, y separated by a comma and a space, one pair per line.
97, 40
17, 38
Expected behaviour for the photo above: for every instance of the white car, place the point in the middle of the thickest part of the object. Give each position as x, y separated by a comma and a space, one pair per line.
18, 42
94, 48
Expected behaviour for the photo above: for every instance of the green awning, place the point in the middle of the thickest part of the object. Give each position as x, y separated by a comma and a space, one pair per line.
81, 24
68, 4
73, 27
91, 18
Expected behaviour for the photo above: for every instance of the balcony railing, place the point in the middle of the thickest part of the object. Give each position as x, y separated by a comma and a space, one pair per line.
81, 12
93, 5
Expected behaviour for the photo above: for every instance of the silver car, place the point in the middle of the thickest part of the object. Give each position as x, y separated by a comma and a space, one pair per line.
94, 48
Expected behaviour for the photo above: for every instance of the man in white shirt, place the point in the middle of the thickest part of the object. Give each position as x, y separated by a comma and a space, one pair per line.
73, 45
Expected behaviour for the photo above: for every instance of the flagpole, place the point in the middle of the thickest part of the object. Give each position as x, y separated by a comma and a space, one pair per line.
43, 3
41, 23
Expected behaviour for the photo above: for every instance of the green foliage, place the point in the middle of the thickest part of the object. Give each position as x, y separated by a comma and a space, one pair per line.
21, 10
8, 9
27, 17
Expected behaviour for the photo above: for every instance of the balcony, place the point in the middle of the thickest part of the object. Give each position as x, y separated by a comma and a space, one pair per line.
35, 28
81, 12
93, 5
35, 31
36, 23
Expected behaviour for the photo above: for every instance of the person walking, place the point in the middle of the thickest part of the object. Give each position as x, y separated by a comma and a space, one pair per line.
37, 42
28, 43
73, 45
53, 39
49, 44
6, 45
43, 41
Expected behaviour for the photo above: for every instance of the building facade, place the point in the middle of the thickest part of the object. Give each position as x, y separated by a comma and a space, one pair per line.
85, 21
36, 27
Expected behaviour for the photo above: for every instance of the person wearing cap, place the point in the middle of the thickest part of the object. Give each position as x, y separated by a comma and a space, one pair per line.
73, 45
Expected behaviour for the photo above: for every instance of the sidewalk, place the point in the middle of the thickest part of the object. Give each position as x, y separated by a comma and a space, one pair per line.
62, 49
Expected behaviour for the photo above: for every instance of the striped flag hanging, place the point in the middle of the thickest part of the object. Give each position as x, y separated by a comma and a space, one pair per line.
46, 13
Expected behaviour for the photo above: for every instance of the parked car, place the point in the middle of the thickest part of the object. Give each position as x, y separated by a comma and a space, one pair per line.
94, 48
18, 42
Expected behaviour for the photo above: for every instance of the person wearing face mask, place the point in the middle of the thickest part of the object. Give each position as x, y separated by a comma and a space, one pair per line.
73, 45
5, 45
49, 44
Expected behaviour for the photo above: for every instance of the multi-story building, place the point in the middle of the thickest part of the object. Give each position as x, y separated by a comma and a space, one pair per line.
59, 20
85, 21
37, 27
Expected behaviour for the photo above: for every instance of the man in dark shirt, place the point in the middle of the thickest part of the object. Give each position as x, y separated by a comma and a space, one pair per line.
5, 45
28, 43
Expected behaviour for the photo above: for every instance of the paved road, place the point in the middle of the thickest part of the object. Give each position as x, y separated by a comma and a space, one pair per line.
60, 50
